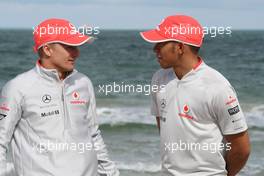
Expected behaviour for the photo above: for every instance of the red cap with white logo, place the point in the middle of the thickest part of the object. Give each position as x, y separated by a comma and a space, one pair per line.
179, 28
58, 31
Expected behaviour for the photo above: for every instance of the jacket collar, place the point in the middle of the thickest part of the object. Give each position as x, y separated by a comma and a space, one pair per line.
51, 74
192, 74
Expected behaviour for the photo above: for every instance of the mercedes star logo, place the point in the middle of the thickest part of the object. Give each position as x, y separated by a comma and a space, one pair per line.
163, 103
46, 98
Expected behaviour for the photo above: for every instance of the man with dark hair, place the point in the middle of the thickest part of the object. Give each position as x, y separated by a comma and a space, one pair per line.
202, 127
49, 113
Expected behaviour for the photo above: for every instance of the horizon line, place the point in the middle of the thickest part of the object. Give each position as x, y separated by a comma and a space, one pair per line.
130, 29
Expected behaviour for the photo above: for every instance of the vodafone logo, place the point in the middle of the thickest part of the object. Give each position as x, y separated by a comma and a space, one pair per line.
76, 99
75, 95
186, 109
185, 114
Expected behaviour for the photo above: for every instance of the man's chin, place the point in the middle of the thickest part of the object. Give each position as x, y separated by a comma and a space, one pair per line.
165, 66
68, 69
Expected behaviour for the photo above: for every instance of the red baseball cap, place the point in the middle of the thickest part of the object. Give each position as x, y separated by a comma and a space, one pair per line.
56, 30
179, 28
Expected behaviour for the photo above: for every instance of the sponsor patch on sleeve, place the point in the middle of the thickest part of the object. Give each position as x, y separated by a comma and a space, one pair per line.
233, 110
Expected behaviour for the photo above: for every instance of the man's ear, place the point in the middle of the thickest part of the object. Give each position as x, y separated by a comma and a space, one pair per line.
47, 50
180, 48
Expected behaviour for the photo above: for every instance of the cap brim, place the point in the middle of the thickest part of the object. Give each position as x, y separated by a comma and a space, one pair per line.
77, 40
152, 36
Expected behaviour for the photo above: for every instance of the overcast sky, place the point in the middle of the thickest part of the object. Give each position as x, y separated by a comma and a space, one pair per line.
132, 14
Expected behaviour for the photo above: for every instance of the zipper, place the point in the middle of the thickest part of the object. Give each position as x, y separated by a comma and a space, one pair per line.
178, 84
67, 124
63, 107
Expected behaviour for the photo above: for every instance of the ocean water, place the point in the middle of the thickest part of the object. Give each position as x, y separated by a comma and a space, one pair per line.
124, 58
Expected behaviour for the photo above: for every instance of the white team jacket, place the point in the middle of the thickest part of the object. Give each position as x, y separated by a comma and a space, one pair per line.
52, 126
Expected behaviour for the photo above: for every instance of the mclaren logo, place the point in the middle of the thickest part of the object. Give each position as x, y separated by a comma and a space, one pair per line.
2, 116
46, 98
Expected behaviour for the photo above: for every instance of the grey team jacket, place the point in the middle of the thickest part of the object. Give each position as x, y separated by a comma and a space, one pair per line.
52, 126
